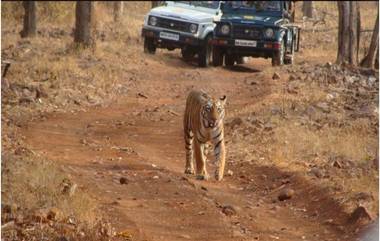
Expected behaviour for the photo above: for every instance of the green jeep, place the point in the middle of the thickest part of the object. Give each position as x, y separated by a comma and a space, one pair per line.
255, 29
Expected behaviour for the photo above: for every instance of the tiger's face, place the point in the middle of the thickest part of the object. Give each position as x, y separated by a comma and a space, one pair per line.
213, 112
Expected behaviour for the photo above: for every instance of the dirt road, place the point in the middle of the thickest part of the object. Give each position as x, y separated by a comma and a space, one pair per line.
140, 138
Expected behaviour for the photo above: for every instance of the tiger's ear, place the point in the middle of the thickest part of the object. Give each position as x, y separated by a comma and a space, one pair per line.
223, 99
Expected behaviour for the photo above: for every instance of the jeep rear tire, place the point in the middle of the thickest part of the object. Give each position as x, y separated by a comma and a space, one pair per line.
278, 58
229, 60
205, 53
289, 58
217, 56
149, 46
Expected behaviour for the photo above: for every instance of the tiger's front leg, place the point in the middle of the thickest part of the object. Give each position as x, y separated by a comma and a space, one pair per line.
189, 167
220, 158
201, 173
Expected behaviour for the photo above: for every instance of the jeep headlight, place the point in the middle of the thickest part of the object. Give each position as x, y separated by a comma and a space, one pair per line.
225, 29
152, 21
269, 33
193, 28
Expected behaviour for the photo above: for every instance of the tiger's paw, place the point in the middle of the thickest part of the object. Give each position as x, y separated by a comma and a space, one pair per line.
218, 177
189, 170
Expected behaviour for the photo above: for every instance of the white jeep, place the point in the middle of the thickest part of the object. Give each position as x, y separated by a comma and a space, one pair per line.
187, 25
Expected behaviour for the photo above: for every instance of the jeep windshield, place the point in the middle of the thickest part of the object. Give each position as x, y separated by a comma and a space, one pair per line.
252, 6
204, 4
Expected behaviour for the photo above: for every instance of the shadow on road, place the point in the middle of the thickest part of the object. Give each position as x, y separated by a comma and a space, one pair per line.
242, 69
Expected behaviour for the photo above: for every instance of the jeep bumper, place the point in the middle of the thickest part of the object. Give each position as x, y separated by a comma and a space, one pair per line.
180, 39
254, 48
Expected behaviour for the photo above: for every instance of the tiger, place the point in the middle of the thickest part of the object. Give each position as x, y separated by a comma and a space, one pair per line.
203, 124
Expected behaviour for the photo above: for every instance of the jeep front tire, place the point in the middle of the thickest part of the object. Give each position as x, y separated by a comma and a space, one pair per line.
205, 53
188, 53
149, 46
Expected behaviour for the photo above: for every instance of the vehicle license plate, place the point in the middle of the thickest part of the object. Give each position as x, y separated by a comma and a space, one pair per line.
170, 36
248, 43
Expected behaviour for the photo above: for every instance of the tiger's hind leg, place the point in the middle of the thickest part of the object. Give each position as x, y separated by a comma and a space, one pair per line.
189, 167
201, 173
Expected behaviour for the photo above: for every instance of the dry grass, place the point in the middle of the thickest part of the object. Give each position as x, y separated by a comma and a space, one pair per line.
337, 135
296, 144
131, 20
84, 76
302, 143
37, 184
58, 11
70, 78
32, 186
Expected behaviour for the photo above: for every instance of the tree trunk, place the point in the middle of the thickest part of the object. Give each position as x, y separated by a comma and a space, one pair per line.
84, 23
358, 31
370, 57
29, 29
348, 33
354, 32
307, 9
292, 8
342, 30
118, 8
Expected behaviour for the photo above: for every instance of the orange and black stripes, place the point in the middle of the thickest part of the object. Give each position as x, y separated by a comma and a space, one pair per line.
203, 123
